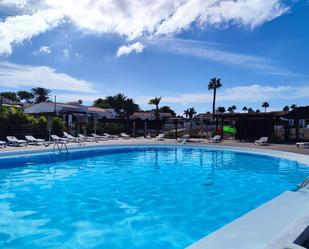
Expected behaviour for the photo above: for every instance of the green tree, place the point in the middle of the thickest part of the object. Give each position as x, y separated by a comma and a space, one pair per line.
221, 109
186, 113
57, 126
122, 105
286, 108
167, 109
214, 84
250, 110
257, 111
191, 112
265, 105
41, 94
232, 108
10, 95
245, 108
156, 101
26, 96
293, 106
130, 107
101, 103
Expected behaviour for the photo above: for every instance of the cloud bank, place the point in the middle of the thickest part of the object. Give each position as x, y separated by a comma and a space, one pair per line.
132, 19
245, 94
18, 76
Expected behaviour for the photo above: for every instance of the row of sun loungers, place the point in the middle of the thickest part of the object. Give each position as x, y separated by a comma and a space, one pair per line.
67, 138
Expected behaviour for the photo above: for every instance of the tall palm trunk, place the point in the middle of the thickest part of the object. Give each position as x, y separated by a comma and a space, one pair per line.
157, 112
214, 103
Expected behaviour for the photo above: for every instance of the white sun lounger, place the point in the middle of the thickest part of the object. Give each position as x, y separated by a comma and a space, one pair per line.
185, 138
160, 137
98, 137
56, 138
109, 136
2, 144
34, 141
262, 141
16, 142
302, 145
86, 138
216, 139
124, 135
70, 137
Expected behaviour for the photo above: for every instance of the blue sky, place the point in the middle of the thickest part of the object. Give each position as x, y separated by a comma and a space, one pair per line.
169, 48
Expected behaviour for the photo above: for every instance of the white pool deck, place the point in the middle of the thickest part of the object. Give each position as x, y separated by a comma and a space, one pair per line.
274, 225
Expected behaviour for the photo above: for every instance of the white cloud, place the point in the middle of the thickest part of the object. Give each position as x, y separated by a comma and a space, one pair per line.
44, 50
18, 76
16, 29
133, 19
218, 53
135, 47
251, 93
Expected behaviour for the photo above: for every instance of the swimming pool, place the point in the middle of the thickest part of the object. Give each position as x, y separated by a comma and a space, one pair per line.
133, 197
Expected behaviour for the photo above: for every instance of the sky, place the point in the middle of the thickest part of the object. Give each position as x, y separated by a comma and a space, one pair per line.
85, 49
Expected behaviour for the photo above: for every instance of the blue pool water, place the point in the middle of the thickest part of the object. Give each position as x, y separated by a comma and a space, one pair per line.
134, 198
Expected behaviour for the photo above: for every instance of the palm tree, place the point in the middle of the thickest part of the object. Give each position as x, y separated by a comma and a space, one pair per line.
130, 107
286, 108
25, 95
40, 94
221, 109
190, 114
245, 108
265, 105
155, 101
232, 108
186, 113
213, 84
293, 106
10, 95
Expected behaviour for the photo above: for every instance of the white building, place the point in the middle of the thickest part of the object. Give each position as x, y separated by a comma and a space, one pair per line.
70, 109
149, 115
102, 113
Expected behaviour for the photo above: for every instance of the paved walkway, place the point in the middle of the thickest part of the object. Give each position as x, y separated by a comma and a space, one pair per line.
197, 142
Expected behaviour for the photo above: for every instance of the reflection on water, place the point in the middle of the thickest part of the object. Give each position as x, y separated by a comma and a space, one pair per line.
133, 198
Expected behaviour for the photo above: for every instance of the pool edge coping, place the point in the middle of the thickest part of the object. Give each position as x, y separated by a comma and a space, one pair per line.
300, 158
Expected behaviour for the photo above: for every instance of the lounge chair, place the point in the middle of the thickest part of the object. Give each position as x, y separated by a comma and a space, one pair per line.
124, 135
87, 138
262, 141
185, 138
34, 141
55, 138
70, 137
2, 144
109, 136
16, 142
98, 137
216, 139
302, 145
160, 137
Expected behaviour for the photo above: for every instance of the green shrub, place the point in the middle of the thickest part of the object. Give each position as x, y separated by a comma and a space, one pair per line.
111, 128
57, 126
